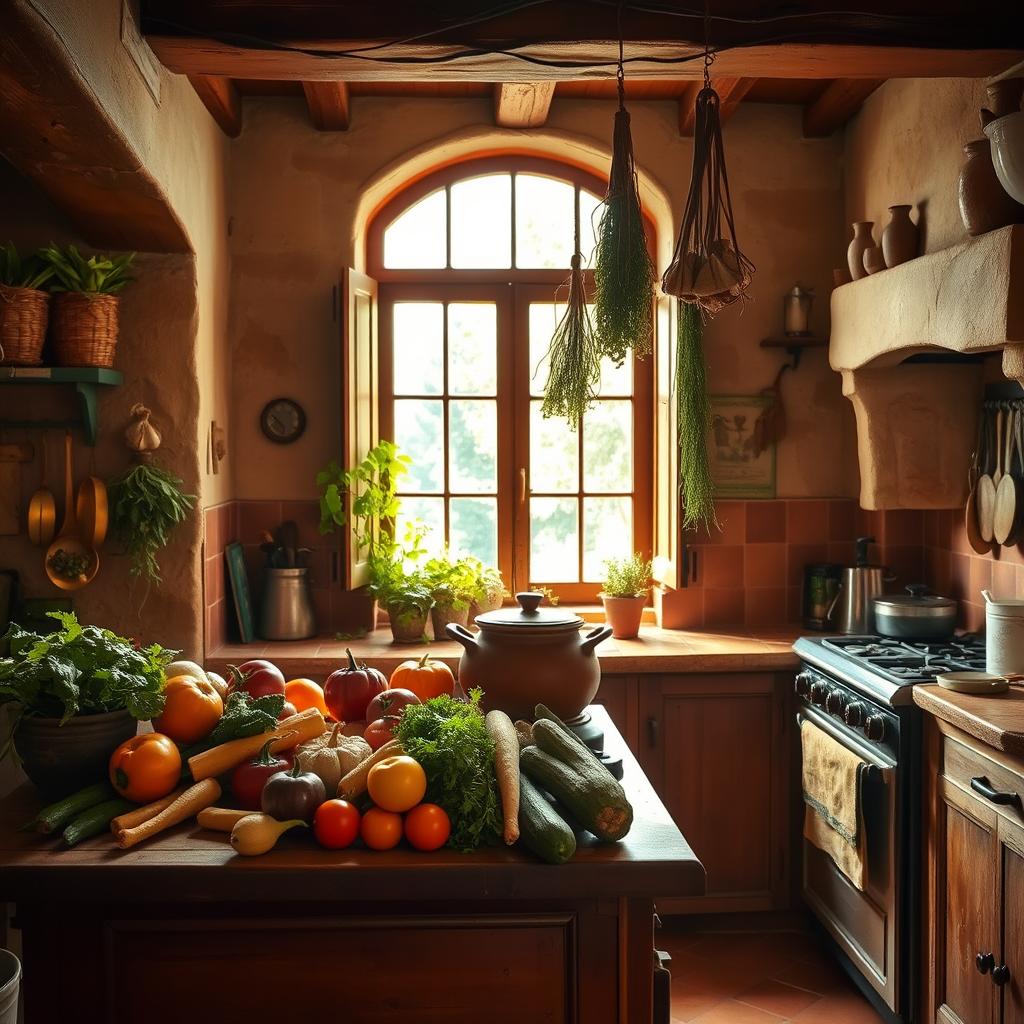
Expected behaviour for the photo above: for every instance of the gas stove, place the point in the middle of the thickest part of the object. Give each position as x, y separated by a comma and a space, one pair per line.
885, 669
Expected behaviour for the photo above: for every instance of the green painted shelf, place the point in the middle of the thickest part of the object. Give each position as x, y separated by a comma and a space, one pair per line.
86, 380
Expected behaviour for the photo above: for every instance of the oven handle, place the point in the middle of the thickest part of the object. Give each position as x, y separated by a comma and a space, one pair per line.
882, 766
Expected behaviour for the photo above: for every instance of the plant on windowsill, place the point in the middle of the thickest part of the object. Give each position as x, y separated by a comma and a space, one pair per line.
490, 591
403, 589
627, 582
454, 587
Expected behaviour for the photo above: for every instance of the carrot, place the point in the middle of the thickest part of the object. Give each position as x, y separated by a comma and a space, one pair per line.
506, 768
296, 729
187, 805
138, 815
354, 783
220, 819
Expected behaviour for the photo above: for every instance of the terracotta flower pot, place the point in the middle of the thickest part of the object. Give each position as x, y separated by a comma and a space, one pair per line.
624, 615
900, 238
855, 252
442, 614
60, 759
408, 627
489, 603
984, 203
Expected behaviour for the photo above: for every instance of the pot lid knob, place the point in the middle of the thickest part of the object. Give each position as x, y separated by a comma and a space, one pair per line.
529, 601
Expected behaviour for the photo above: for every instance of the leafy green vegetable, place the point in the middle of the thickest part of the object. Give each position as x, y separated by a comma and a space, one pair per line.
246, 716
80, 670
450, 741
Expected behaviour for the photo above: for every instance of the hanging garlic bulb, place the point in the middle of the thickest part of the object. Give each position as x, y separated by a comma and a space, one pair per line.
140, 435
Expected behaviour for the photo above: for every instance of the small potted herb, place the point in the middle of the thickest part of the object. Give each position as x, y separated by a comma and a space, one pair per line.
490, 591
627, 581
453, 586
76, 694
406, 597
24, 307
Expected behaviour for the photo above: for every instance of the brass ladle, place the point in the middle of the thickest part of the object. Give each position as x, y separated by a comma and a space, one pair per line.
42, 509
68, 540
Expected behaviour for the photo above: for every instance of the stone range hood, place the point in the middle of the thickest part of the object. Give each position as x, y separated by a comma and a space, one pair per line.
917, 421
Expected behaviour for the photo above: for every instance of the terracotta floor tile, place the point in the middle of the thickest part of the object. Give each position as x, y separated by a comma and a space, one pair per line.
818, 974
734, 1012
848, 1007
779, 998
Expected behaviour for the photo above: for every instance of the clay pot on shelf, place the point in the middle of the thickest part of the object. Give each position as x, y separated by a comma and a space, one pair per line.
1004, 96
873, 261
900, 238
984, 203
624, 615
855, 252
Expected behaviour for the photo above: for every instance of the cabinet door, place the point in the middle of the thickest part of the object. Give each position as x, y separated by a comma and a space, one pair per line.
718, 750
618, 695
1011, 849
968, 922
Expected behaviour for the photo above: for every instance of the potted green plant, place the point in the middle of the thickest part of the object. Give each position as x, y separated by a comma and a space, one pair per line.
24, 307
454, 587
405, 594
627, 582
490, 591
76, 693
85, 312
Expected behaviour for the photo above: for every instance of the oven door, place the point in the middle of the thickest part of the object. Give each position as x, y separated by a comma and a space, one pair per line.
865, 925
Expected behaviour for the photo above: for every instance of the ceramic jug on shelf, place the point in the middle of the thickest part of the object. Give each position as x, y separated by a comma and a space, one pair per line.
862, 241
899, 237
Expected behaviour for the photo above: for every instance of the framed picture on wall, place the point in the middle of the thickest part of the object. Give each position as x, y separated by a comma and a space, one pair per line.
742, 446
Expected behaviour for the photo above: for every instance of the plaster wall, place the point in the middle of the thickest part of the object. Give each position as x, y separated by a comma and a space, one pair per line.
298, 205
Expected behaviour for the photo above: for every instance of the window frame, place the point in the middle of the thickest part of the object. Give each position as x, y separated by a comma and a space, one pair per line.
513, 289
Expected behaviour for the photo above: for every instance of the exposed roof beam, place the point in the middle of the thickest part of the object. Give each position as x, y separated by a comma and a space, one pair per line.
221, 99
522, 104
328, 105
730, 94
836, 104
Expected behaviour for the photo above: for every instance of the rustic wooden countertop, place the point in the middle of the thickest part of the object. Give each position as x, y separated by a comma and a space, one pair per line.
996, 720
190, 864
656, 651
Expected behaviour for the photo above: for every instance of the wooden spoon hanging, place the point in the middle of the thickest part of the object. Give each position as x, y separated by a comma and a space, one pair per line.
987, 486
1008, 497
974, 537
68, 543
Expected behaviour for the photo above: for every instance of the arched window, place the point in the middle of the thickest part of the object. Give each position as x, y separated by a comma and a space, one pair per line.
470, 262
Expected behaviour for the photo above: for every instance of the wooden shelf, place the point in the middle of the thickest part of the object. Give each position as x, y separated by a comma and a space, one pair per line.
86, 380
794, 344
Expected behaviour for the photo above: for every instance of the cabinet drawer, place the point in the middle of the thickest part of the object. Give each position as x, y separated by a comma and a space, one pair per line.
962, 764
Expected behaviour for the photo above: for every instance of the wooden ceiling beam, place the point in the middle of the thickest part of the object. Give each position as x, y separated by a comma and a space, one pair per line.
221, 99
730, 94
328, 105
836, 104
522, 104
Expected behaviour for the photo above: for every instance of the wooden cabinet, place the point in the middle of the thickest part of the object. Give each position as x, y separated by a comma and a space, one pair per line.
719, 750
618, 695
974, 881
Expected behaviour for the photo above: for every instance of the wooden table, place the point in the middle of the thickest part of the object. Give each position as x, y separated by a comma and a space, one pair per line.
180, 929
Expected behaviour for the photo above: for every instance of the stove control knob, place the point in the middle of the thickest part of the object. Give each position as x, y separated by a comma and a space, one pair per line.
853, 714
874, 728
835, 703
803, 683
819, 693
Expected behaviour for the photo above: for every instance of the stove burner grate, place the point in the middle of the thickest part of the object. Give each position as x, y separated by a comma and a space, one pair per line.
906, 662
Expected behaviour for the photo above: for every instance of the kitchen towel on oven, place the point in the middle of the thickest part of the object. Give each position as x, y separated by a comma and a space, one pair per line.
831, 776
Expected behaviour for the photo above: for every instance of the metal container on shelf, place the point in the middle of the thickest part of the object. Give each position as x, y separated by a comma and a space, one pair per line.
287, 610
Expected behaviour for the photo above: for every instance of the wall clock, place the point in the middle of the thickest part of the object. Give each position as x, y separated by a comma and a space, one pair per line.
283, 421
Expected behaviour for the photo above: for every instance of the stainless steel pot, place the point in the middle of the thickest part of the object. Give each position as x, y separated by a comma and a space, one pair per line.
915, 615
853, 608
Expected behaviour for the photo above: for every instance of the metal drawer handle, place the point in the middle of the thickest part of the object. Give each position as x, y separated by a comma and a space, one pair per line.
980, 784
984, 962
1000, 975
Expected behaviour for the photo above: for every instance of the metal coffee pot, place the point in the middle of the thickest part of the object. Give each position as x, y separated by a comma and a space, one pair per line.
853, 609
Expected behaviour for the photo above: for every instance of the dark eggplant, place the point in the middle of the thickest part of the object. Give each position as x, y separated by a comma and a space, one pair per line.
294, 794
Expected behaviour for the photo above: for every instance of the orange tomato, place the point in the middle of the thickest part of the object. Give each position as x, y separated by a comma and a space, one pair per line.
423, 677
304, 693
397, 783
192, 707
146, 767
427, 827
381, 830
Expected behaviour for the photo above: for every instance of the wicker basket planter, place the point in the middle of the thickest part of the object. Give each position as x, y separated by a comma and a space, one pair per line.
23, 316
84, 329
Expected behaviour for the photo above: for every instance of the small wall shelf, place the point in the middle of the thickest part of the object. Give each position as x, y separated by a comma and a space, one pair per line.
794, 344
86, 380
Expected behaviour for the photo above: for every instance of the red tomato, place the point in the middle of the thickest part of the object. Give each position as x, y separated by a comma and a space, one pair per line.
380, 732
257, 678
427, 827
349, 690
390, 702
381, 830
287, 710
249, 778
336, 824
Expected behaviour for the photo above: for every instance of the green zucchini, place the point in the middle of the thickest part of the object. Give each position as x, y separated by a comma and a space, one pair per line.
95, 820
569, 749
541, 830
587, 790
543, 712
55, 816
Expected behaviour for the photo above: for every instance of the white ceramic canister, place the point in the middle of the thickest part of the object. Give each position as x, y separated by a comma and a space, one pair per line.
1004, 636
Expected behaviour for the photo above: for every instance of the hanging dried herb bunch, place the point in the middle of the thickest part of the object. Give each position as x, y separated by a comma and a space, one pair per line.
574, 362
708, 268
624, 272
693, 419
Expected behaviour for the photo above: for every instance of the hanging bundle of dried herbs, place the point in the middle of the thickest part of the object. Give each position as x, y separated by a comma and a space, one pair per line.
574, 362
708, 268
623, 269
693, 418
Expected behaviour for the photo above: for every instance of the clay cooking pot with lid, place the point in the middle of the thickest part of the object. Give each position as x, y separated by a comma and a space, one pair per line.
529, 655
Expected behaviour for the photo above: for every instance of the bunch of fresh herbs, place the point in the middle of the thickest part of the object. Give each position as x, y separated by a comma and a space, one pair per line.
626, 577
449, 739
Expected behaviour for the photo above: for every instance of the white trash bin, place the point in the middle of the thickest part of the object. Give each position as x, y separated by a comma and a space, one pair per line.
10, 982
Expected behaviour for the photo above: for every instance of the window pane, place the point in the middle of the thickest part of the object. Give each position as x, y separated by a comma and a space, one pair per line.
473, 446
474, 528
607, 533
427, 511
554, 455
472, 348
482, 222
554, 540
608, 447
616, 380
545, 222
419, 432
418, 348
417, 238
589, 218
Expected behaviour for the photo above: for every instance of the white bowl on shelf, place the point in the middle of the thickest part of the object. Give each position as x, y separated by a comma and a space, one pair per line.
1007, 137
